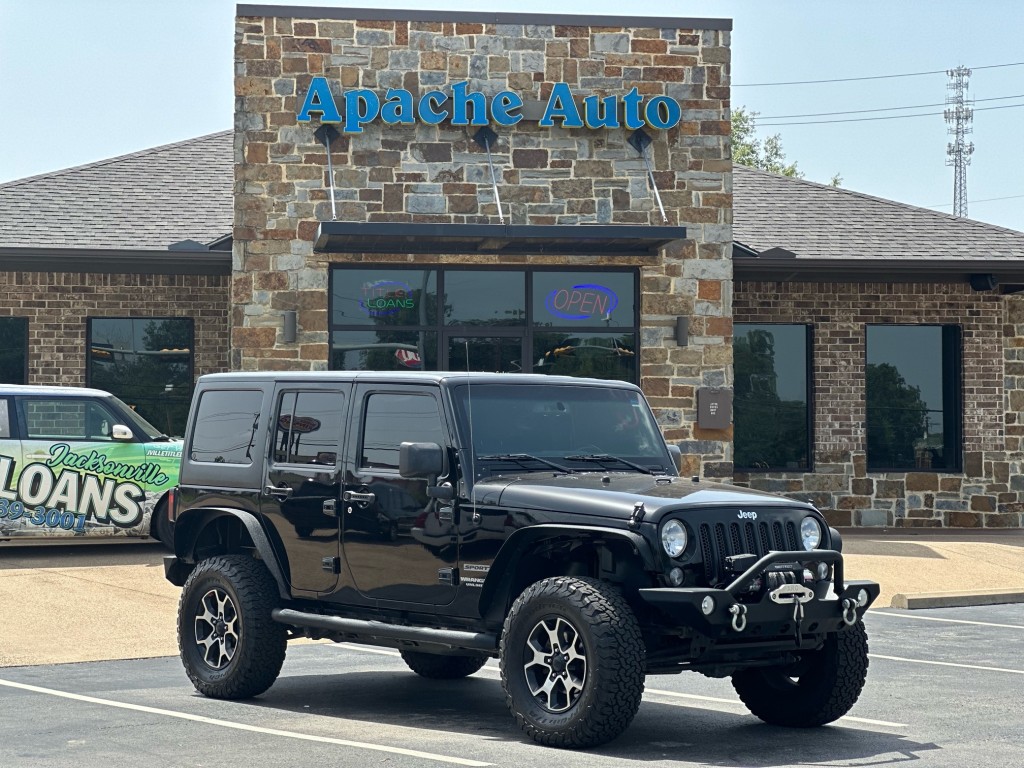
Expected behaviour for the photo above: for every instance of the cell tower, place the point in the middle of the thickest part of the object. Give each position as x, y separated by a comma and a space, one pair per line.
958, 152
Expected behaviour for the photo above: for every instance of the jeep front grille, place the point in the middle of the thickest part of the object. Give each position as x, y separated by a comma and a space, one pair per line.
720, 540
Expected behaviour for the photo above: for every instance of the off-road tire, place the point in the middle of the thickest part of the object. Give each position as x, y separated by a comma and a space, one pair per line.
607, 653
820, 688
252, 651
438, 667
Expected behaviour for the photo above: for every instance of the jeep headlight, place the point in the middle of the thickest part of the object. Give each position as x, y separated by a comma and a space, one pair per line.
810, 533
673, 538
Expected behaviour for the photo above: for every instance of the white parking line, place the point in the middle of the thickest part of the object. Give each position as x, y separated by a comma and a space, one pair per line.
949, 664
242, 726
653, 691
951, 621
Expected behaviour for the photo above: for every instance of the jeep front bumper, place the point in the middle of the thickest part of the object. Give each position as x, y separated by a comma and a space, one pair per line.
734, 614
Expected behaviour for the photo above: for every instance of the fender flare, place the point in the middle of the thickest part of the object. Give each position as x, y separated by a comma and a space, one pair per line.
499, 576
191, 523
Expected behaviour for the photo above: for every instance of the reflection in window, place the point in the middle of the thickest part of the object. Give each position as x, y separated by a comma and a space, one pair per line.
394, 419
67, 419
595, 355
225, 427
771, 417
493, 354
147, 363
13, 350
309, 427
912, 393
384, 351
484, 297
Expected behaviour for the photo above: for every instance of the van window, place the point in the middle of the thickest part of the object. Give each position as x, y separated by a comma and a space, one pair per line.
309, 428
66, 419
225, 428
5, 420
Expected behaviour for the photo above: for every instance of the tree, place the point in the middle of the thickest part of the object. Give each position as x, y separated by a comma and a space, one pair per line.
749, 150
897, 417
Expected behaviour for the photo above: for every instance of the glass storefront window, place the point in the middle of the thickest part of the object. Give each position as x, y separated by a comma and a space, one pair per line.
771, 408
147, 363
484, 298
384, 351
571, 322
13, 350
912, 394
383, 297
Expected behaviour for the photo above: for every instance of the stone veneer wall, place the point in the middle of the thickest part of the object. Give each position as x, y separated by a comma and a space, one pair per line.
990, 490
57, 305
438, 174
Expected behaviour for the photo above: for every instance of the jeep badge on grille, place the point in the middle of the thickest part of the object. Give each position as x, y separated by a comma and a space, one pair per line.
746, 515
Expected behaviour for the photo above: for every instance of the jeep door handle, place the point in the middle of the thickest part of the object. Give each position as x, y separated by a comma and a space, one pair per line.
282, 492
358, 498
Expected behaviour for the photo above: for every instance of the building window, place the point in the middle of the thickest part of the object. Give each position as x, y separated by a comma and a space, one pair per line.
573, 322
771, 403
913, 399
13, 350
147, 362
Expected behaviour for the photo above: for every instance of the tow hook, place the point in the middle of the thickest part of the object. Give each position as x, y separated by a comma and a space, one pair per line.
739, 616
797, 595
849, 611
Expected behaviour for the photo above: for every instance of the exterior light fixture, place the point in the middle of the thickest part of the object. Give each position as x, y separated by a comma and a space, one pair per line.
984, 282
640, 140
289, 333
325, 134
682, 331
485, 137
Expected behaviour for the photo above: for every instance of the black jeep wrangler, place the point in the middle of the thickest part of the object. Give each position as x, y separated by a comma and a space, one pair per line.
536, 519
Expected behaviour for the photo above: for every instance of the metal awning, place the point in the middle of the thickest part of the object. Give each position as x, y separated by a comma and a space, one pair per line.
558, 239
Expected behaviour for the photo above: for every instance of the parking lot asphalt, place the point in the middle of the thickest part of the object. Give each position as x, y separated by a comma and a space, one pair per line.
942, 691
92, 602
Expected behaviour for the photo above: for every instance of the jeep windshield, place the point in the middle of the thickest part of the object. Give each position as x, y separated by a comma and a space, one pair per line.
560, 427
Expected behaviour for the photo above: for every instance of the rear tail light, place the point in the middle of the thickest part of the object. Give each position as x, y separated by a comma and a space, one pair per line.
172, 504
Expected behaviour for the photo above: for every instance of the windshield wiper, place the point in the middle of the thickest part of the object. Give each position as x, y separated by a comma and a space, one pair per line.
604, 458
519, 458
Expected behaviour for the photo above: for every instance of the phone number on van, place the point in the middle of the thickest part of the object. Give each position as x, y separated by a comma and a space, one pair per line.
52, 518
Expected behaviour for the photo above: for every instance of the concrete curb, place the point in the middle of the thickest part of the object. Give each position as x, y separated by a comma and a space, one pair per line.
957, 599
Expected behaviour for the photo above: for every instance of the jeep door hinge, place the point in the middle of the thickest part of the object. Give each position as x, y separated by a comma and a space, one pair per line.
331, 564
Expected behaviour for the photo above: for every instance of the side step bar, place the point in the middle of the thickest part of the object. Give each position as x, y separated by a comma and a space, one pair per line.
378, 630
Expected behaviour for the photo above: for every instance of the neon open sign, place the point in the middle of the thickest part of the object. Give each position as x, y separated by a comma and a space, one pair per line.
582, 302
386, 297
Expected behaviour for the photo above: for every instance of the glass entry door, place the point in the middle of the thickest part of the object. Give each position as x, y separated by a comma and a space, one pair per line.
488, 353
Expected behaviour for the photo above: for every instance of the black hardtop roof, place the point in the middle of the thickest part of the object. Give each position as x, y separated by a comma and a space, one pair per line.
407, 377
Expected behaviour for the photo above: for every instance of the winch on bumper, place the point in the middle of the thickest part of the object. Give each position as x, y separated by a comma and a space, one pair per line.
740, 611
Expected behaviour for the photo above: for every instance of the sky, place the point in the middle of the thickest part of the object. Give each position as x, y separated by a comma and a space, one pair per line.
86, 80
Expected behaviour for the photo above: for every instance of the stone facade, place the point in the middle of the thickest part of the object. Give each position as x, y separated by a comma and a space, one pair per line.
57, 305
989, 493
437, 174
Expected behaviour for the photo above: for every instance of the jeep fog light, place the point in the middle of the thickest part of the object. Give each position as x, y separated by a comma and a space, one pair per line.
707, 605
862, 598
824, 571
675, 577
673, 538
810, 533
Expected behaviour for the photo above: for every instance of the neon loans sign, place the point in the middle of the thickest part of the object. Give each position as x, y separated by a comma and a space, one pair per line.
362, 106
384, 298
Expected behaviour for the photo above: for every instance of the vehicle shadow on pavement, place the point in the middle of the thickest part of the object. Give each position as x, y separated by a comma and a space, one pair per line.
475, 707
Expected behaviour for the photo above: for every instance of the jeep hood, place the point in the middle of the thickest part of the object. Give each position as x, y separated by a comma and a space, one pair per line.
614, 494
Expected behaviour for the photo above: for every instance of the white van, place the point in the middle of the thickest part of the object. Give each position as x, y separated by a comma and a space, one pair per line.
78, 462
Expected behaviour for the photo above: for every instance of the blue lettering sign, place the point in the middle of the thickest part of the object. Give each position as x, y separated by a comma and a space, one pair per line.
582, 302
361, 107
319, 99
561, 105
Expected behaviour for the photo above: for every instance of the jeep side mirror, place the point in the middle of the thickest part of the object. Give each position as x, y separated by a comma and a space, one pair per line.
420, 460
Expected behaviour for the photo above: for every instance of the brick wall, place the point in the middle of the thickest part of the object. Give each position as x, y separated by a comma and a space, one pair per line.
988, 493
57, 305
421, 173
